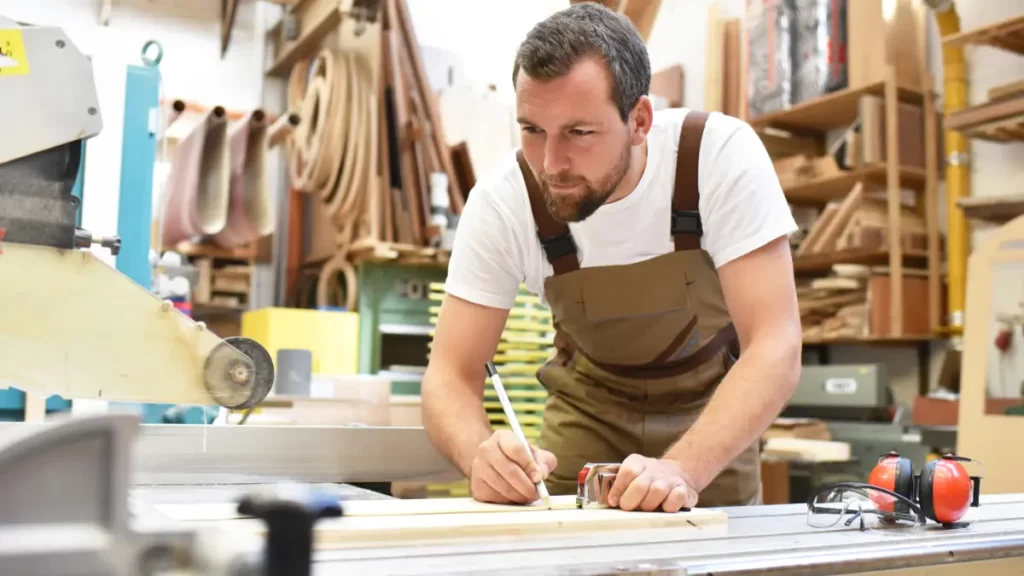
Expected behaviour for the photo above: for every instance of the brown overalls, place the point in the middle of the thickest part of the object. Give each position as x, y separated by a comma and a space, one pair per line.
640, 347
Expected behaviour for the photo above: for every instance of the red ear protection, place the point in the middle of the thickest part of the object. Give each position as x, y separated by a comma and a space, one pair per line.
944, 490
895, 474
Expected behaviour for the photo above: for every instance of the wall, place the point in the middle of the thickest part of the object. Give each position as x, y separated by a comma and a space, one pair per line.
486, 53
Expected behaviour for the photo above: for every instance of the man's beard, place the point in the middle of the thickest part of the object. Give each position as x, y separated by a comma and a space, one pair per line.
580, 204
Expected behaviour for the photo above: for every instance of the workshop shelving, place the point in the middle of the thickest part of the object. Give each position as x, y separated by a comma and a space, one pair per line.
1006, 34
834, 110
834, 187
839, 110
996, 209
823, 263
999, 119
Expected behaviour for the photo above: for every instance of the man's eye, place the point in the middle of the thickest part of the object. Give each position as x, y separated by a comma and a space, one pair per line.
531, 129
578, 132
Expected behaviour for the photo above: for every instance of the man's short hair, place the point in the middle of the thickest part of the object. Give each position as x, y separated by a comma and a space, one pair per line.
555, 44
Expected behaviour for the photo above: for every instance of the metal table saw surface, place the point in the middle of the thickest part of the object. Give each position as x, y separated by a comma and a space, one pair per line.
755, 540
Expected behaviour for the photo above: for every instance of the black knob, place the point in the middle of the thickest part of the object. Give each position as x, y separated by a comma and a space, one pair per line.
290, 517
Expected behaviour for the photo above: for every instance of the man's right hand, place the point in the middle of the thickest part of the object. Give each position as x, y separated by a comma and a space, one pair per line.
502, 471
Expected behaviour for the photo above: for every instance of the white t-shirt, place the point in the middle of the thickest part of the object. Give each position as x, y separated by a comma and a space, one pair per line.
742, 208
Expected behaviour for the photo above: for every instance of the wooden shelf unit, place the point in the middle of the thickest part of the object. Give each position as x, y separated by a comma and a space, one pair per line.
1007, 35
995, 121
835, 187
994, 209
822, 263
834, 110
1000, 119
894, 341
838, 110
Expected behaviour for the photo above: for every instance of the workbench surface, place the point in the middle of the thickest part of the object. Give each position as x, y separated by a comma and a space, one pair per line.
755, 540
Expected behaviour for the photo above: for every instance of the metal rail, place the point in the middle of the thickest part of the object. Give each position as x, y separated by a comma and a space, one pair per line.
756, 540
184, 454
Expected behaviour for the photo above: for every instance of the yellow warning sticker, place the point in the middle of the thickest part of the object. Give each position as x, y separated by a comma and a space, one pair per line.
13, 59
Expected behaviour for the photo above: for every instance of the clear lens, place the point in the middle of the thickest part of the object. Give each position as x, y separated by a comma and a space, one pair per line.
854, 507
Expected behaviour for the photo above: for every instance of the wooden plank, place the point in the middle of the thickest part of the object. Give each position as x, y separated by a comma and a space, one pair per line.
931, 209
392, 507
826, 242
386, 222
713, 53
404, 24
385, 522
1005, 91
893, 196
731, 74
410, 187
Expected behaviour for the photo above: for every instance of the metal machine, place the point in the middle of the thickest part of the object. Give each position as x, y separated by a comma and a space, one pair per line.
856, 403
70, 324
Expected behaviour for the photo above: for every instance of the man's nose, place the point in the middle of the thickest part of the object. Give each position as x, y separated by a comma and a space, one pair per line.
556, 158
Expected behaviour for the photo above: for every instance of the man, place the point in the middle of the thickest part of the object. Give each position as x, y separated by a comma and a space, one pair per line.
660, 243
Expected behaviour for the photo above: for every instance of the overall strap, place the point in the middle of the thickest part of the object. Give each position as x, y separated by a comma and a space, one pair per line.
554, 236
686, 225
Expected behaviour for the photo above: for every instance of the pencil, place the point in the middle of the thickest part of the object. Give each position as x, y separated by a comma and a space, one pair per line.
506, 405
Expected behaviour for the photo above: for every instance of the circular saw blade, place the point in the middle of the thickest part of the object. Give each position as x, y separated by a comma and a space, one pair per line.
238, 381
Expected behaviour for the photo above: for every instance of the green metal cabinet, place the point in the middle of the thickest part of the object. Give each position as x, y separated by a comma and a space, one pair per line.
394, 321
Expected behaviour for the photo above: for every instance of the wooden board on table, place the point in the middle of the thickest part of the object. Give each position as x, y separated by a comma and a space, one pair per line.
354, 508
390, 522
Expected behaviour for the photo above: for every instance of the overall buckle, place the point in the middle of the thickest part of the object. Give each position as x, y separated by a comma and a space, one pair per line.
686, 222
557, 246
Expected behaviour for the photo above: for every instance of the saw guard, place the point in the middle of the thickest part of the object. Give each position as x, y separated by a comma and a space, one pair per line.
73, 326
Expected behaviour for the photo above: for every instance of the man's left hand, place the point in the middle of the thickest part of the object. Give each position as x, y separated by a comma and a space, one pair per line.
650, 483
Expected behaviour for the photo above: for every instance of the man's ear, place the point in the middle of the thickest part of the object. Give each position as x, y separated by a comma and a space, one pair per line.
641, 119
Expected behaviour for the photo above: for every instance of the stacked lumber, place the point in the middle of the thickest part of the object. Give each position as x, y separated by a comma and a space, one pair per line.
415, 147
853, 303
370, 154
834, 307
860, 222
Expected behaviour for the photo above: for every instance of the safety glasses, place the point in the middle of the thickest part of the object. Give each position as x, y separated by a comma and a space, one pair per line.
869, 506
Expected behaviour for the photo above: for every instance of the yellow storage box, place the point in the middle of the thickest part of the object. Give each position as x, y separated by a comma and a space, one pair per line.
332, 336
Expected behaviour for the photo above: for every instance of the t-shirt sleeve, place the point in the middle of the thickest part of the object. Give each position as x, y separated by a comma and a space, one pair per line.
741, 201
486, 265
